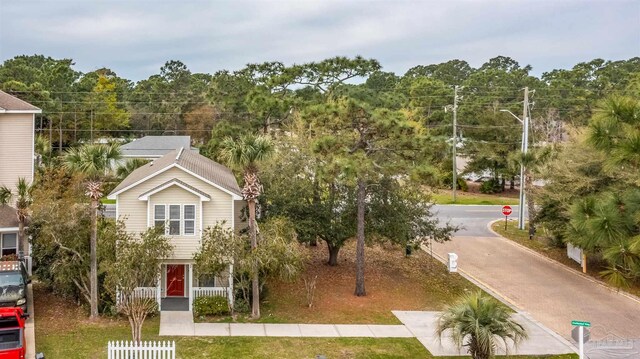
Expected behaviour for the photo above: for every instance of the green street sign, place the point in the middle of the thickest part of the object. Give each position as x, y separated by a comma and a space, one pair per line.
580, 323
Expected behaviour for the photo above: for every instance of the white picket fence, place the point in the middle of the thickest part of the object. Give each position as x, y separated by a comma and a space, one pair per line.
143, 350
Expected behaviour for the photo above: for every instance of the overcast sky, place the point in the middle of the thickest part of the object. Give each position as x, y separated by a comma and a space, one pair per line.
135, 38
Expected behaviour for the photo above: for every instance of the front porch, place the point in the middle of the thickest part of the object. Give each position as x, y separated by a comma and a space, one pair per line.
178, 287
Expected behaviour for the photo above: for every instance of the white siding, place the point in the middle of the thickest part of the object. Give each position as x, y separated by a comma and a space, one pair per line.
16, 148
137, 214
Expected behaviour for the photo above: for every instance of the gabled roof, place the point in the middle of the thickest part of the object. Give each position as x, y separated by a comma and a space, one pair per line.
175, 182
195, 164
8, 217
12, 104
155, 146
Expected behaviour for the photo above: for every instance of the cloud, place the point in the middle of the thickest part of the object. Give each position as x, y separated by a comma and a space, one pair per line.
135, 38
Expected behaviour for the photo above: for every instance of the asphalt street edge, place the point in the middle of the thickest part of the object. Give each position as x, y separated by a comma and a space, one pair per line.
556, 263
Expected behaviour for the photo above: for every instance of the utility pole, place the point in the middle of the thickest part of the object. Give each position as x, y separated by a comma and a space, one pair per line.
455, 142
524, 147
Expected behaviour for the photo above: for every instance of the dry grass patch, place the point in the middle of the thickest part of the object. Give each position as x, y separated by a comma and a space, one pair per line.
392, 281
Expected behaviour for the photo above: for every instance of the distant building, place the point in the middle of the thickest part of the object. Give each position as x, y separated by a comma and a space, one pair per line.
152, 147
17, 140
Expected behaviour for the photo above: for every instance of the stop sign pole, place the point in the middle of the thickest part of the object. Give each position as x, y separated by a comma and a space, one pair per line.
506, 210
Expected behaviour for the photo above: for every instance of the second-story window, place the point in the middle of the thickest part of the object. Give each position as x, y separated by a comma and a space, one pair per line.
174, 219
189, 219
159, 215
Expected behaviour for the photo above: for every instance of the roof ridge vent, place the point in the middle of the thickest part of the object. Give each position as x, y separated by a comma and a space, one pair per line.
179, 153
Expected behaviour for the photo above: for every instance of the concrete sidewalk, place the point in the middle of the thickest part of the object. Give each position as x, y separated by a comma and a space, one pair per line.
420, 325
541, 340
181, 324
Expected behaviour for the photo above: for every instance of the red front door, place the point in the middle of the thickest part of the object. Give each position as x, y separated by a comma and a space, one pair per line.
175, 280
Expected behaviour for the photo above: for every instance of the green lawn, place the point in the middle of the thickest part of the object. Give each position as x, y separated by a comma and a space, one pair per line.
393, 282
445, 197
89, 340
107, 201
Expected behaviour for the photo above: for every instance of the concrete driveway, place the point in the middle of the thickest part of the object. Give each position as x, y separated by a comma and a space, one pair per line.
550, 292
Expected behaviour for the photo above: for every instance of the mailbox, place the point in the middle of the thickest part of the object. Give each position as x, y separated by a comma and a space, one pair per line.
453, 262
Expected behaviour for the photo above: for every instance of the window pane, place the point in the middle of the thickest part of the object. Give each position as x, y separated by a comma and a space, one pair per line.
9, 240
159, 211
189, 212
174, 212
206, 281
174, 228
189, 227
8, 251
159, 224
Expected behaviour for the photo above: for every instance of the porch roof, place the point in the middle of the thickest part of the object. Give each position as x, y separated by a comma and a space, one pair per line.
8, 217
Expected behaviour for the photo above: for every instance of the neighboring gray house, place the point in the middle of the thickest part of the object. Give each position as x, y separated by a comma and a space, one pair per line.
152, 147
17, 120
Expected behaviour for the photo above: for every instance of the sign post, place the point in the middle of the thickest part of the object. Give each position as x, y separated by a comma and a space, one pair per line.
581, 340
506, 210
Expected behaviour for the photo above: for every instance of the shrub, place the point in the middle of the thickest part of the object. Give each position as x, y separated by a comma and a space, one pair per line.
491, 186
215, 305
462, 183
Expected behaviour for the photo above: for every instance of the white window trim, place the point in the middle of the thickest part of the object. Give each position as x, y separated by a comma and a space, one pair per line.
2, 242
168, 220
183, 219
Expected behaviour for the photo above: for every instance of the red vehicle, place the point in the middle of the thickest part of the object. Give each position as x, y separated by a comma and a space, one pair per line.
12, 339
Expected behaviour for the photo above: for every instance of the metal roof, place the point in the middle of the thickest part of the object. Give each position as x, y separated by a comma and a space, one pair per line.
154, 146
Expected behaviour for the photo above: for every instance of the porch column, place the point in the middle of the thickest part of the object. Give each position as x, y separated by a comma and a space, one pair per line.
190, 287
230, 287
159, 288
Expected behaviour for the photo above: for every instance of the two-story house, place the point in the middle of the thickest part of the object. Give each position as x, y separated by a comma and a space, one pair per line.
17, 123
185, 192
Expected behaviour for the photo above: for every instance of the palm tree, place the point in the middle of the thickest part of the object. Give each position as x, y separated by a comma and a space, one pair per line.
246, 152
94, 163
131, 165
23, 203
480, 323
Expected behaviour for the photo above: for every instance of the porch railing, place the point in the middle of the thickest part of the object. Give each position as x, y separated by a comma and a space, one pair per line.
141, 292
209, 292
145, 292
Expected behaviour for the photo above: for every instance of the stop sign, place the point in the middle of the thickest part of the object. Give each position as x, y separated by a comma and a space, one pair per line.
506, 210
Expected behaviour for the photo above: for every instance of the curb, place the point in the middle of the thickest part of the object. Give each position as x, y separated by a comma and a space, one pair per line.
550, 332
563, 266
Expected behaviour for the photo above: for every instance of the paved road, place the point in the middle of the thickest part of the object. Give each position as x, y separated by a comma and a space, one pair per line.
472, 219
547, 290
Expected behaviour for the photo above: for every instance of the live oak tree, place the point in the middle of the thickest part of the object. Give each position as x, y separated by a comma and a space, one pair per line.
137, 263
61, 229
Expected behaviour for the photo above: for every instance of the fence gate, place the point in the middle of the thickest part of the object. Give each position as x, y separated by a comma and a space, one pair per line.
143, 350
